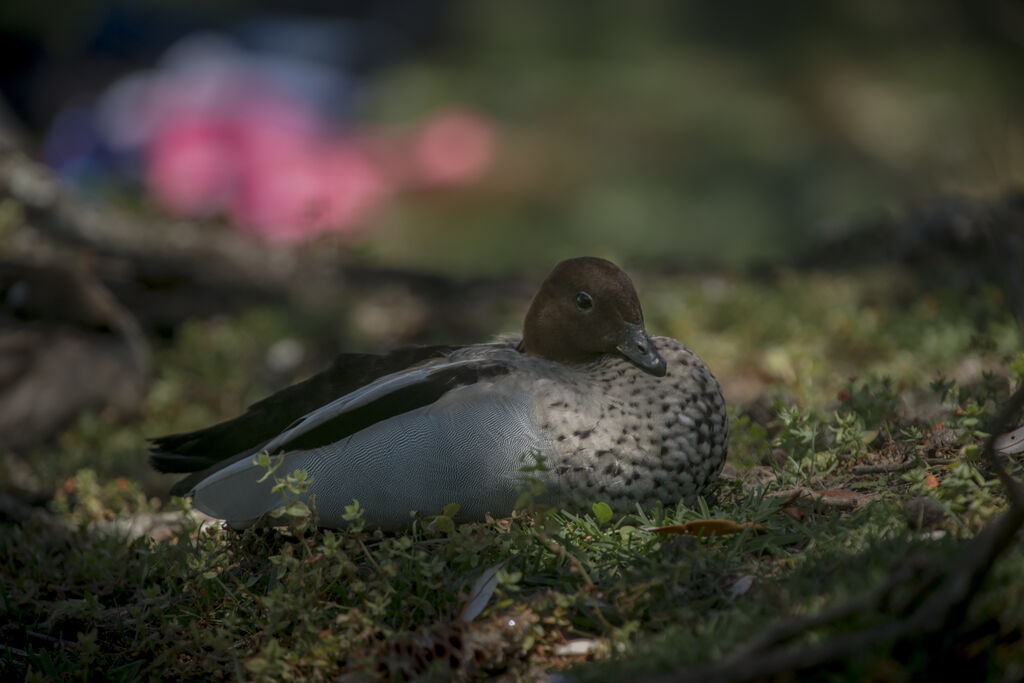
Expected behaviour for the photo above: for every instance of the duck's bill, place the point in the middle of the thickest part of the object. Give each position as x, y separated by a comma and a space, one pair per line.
638, 348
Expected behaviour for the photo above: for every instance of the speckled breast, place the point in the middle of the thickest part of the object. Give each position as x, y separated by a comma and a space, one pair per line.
625, 437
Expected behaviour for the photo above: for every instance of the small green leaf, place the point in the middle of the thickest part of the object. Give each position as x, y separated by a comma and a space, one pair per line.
450, 510
297, 509
353, 512
603, 512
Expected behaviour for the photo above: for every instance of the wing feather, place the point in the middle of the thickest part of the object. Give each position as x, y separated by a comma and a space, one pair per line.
194, 451
386, 397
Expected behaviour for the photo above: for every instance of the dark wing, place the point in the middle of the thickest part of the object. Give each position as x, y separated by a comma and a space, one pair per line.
391, 402
369, 404
194, 451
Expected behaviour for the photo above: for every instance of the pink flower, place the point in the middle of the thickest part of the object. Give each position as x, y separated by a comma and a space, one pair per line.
270, 128
308, 192
279, 201
456, 147
274, 165
191, 166
354, 183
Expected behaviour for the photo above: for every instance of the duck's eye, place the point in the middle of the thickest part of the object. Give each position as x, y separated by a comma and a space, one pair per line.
584, 301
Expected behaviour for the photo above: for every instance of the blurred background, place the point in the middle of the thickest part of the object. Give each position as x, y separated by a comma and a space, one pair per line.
469, 138
202, 202
205, 201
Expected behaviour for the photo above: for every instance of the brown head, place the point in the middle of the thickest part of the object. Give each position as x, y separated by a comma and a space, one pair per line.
587, 307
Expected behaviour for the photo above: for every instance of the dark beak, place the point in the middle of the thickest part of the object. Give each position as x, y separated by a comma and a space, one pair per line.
638, 348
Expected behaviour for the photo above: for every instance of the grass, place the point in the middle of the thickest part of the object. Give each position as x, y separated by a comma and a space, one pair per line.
843, 374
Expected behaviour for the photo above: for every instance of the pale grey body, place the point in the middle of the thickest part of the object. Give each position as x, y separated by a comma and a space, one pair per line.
606, 431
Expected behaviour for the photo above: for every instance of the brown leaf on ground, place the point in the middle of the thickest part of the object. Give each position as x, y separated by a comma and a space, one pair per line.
842, 499
705, 528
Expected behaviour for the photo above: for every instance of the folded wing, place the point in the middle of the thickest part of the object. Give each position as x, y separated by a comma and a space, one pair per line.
416, 440
246, 434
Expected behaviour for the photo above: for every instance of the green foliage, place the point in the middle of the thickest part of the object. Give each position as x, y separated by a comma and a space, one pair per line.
603, 512
749, 443
83, 499
963, 492
284, 600
874, 401
800, 440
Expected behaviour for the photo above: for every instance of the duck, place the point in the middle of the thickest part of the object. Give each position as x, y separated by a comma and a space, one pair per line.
584, 402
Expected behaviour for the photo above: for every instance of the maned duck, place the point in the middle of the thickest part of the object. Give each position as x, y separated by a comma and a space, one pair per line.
586, 402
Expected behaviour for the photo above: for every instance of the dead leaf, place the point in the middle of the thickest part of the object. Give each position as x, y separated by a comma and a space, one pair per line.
796, 502
841, 498
705, 528
789, 496
930, 481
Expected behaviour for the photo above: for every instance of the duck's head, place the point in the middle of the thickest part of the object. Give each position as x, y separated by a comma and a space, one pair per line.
587, 307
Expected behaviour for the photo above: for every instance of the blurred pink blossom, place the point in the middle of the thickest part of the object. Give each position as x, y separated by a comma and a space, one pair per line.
354, 183
269, 128
217, 133
310, 192
455, 147
191, 167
